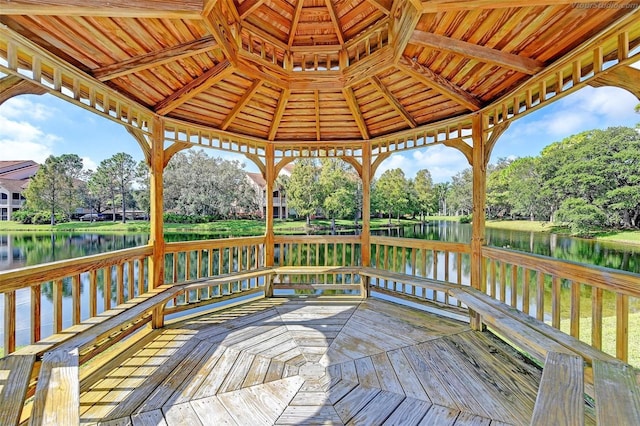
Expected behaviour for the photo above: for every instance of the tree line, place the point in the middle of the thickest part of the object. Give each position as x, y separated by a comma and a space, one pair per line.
195, 186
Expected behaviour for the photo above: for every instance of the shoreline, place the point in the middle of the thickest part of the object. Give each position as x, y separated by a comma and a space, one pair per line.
245, 227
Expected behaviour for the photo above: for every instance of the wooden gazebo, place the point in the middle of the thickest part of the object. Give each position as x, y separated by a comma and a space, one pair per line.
277, 80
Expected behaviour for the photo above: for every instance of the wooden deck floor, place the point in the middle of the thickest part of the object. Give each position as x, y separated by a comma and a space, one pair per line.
285, 362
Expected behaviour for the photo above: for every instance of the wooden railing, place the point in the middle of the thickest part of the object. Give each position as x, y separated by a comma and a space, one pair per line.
118, 275
317, 250
565, 294
443, 261
193, 260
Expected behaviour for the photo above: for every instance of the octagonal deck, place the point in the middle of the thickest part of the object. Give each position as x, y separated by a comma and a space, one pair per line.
279, 361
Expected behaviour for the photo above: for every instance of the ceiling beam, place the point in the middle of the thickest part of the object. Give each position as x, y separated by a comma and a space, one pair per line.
248, 7
154, 59
381, 5
405, 17
352, 102
193, 88
241, 104
438, 83
386, 93
294, 22
336, 23
435, 6
188, 9
480, 53
221, 31
277, 116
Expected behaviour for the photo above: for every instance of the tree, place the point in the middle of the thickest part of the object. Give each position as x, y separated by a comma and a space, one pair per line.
338, 190
103, 184
498, 201
196, 184
524, 186
459, 197
441, 192
281, 186
425, 196
72, 167
142, 194
124, 169
48, 187
303, 189
393, 192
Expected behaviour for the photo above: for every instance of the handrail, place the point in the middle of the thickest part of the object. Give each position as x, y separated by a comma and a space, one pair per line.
418, 243
211, 244
15, 279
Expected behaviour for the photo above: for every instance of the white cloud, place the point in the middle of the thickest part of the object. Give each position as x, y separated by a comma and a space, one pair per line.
441, 161
89, 164
20, 140
21, 107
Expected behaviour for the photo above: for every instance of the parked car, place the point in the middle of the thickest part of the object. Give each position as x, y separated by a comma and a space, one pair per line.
91, 217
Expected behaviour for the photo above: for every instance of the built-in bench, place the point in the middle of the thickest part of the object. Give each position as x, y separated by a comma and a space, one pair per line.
55, 359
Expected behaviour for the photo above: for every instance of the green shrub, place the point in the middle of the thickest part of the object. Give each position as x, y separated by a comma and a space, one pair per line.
466, 218
38, 217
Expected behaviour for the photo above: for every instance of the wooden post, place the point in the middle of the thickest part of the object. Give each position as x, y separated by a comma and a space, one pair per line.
156, 231
478, 225
270, 178
365, 245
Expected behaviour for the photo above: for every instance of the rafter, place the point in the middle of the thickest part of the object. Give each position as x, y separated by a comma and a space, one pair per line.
294, 22
352, 102
277, 116
434, 6
221, 31
248, 7
193, 88
438, 83
405, 17
386, 93
188, 9
334, 19
380, 5
154, 59
241, 104
474, 51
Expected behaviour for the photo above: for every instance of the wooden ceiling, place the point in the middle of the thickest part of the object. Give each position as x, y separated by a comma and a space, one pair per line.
310, 70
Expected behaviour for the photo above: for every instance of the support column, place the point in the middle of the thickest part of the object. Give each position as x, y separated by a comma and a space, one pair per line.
156, 231
478, 225
366, 205
270, 178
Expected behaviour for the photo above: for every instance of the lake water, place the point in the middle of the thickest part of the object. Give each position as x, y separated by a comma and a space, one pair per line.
19, 250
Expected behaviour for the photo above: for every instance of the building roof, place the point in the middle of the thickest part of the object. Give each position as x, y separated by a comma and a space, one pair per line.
258, 179
18, 169
12, 185
332, 70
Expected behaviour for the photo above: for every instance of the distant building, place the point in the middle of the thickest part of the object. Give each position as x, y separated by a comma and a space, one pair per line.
280, 208
14, 179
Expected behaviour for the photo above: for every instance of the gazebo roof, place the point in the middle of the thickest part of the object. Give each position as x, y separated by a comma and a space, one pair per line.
311, 70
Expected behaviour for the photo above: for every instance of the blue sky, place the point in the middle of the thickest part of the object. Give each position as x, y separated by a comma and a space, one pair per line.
34, 127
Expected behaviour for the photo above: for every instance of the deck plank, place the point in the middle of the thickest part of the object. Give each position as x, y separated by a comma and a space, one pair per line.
468, 419
294, 362
439, 415
378, 409
212, 412
15, 373
408, 413
180, 415
151, 418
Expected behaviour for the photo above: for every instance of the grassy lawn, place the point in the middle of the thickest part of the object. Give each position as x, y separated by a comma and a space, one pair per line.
526, 225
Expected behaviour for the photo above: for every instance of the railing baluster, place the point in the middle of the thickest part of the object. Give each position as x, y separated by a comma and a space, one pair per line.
435, 264
525, 290
540, 296
57, 306
9, 322
120, 284
575, 309
622, 327
555, 302
75, 296
130, 280
93, 293
514, 286
503, 281
596, 317
36, 313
